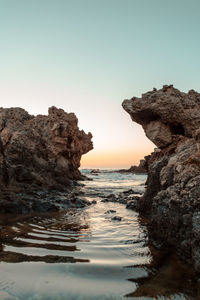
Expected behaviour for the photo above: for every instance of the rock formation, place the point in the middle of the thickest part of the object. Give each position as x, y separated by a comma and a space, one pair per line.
171, 120
140, 169
38, 152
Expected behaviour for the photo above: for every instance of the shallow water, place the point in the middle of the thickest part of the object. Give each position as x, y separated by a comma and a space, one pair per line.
84, 254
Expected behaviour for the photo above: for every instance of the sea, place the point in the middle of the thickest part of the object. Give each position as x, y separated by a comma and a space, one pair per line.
87, 254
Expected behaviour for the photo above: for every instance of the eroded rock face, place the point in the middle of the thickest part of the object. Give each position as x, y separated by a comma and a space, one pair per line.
171, 120
159, 133
39, 152
174, 112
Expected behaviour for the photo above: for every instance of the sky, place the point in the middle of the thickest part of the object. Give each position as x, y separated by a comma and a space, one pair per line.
87, 56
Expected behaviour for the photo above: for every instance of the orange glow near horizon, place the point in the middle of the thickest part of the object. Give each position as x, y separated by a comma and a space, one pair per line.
108, 159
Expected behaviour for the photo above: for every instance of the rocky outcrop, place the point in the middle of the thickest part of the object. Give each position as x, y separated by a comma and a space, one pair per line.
171, 120
38, 153
140, 169
166, 113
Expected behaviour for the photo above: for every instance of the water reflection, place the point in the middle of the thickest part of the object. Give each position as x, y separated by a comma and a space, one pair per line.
167, 278
53, 241
84, 254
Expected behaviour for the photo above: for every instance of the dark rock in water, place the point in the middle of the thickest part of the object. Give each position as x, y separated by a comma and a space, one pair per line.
110, 198
105, 200
81, 202
123, 197
95, 171
38, 153
131, 192
110, 211
94, 202
122, 200
128, 192
133, 203
41, 201
171, 120
116, 218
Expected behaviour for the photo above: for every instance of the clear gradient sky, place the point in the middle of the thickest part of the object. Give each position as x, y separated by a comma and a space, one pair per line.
87, 56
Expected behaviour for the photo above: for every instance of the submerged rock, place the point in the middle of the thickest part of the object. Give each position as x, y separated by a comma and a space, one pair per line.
38, 153
95, 171
171, 120
110, 211
116, 218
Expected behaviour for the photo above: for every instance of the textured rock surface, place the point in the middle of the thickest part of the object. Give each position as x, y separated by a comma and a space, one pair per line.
41, 152
171, 120
165, 113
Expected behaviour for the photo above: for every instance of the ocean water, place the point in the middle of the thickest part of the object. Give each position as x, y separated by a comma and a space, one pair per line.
84, 254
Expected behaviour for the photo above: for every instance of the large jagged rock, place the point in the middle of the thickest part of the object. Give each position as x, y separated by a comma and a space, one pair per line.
171, 120
39, 152
165, 113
